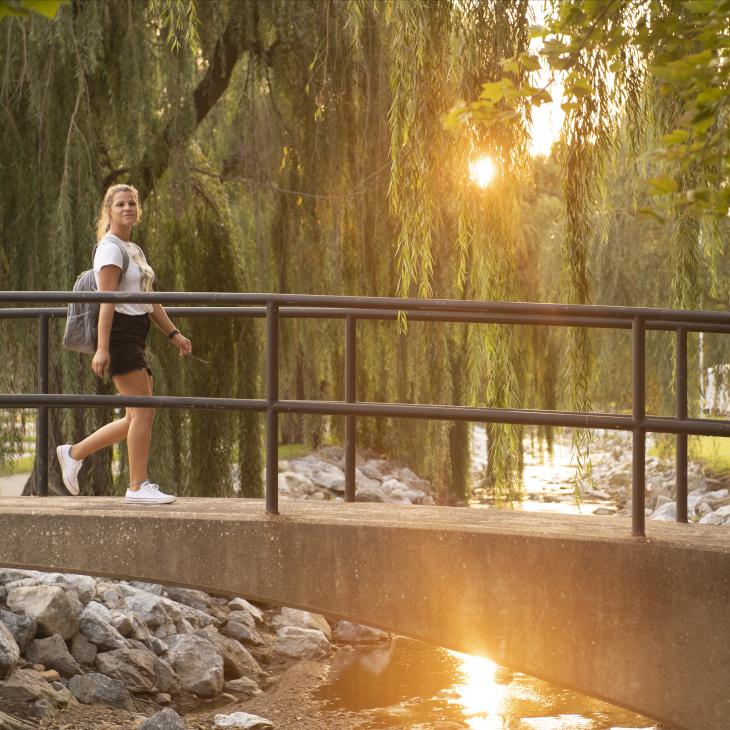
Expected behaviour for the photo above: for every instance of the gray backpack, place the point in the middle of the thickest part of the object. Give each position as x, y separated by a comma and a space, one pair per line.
82, 321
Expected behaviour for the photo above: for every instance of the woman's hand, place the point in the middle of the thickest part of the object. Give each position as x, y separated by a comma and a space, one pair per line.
183, 344
100, 363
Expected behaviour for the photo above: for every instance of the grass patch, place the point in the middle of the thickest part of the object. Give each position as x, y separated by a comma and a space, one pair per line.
20, 466
293, 451
713, 452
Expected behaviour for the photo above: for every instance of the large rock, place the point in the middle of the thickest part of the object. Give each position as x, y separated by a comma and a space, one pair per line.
53, 652
50, 606
95, 624
666, 513
83, 650
93, 687
135, 667
9, 652
295, 485
349, 633
27, 686
302, 619
165, 676
166, 719
328, 476
241, 604
198, 665
368, 493
237, 660
83, 585
245, 720
23, 628
157, 611
301, 643
198, 600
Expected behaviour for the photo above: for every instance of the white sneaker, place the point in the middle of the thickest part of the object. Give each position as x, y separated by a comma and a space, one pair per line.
69, 468
148, 493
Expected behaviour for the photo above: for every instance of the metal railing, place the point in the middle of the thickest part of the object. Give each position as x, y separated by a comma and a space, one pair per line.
352, 309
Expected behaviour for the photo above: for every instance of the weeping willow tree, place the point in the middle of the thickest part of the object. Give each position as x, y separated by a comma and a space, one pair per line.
300, 147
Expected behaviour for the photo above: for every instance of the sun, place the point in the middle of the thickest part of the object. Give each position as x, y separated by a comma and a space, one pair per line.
482, 171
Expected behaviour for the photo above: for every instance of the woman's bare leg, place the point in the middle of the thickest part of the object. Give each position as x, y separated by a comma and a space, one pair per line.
139, 434
107, 435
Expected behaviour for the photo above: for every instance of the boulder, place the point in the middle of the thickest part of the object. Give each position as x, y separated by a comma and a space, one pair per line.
134, 667
27, 686
242, 633
198, 600
49, 606
82, 650
713, 518
83, 585
375, 469
349, 633
295, 485
237, 660
23, 628
241, 604
53, 652
370, 494
198, 665
165, 676
10, 575
95, 624
666, 513
244, 688
93, 687
244, 720
298, 643
328, 476
166, 719
9, 651
302, 619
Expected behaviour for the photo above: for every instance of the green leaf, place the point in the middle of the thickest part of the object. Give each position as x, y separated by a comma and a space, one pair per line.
663, 185
651, 214
676, 137
510, 65
47, 8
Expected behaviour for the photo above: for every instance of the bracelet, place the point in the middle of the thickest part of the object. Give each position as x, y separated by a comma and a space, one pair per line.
173, 333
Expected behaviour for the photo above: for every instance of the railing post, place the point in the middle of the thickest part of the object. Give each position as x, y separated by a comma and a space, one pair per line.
41, 455
350, 397
272, 417
638, 477
681, 459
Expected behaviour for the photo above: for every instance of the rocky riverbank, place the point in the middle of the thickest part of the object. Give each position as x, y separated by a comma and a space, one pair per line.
82, 652
138, 648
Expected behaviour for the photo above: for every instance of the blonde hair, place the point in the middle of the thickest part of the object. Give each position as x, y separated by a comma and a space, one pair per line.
102, 223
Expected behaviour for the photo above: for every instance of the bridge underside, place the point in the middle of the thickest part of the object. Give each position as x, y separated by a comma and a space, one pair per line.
641, 623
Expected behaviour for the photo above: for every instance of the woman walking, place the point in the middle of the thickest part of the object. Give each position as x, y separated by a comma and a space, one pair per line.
120, 265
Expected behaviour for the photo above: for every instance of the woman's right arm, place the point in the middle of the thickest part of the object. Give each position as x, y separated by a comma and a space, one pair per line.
108, 281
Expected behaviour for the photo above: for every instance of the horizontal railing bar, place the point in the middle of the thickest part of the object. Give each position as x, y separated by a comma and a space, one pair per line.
69, 400
384, 314
591, 311
575, 419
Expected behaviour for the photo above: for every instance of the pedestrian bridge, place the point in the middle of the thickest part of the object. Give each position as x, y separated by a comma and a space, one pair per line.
643, 623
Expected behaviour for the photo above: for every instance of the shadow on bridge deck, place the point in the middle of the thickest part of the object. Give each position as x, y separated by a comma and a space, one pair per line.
577, 601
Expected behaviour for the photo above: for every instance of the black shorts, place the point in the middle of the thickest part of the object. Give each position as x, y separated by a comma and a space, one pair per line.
127, 343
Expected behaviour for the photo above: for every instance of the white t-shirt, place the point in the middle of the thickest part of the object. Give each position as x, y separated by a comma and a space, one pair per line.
138, 276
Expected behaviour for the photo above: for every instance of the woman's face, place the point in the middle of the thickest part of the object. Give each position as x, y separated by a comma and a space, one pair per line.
123, 210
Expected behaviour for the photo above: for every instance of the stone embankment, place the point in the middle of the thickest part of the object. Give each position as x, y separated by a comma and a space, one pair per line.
708, 501
70, 640
321, 476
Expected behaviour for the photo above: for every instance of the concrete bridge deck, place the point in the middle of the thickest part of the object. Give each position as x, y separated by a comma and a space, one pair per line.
577, 601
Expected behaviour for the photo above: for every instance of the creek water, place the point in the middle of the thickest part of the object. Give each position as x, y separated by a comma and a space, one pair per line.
409, 684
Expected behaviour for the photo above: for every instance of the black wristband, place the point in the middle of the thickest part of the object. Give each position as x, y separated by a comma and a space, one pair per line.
173, 333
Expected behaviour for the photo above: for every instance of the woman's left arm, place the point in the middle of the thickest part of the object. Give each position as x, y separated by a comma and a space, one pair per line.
160, 318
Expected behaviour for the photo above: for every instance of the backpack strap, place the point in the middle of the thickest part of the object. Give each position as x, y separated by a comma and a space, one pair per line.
125, 257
